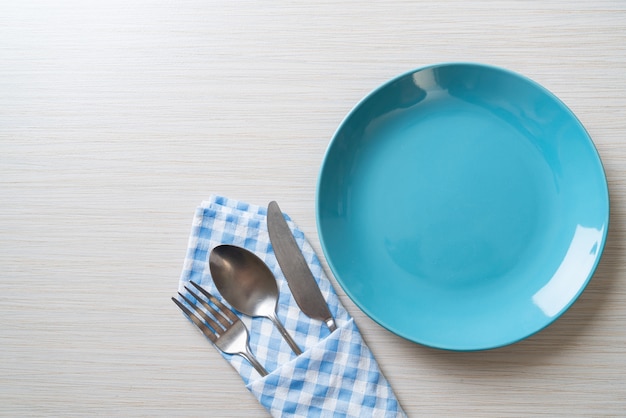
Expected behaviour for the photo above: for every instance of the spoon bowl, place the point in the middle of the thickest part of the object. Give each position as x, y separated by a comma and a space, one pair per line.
248, 285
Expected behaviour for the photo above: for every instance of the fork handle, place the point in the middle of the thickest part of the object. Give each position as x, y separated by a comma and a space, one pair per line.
255, 363
285, 334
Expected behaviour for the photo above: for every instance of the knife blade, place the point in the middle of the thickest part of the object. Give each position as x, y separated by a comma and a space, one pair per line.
301, 282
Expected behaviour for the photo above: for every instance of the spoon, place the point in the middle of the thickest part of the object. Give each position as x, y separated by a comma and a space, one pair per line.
248, 285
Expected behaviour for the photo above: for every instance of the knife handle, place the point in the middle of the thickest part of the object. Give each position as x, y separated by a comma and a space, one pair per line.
330, 322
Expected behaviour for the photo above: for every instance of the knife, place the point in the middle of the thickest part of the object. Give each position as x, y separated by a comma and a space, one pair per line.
301, 282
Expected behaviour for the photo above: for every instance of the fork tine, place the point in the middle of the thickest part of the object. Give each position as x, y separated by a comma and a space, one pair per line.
201, 325
225, 309
218, 328
232, 339
215, 312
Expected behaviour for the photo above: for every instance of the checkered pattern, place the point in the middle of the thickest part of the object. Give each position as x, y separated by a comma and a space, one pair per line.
337, 375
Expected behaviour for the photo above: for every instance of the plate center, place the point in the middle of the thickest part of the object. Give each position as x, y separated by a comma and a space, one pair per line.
457, 194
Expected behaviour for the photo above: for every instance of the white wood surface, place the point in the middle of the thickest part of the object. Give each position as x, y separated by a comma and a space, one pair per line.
118, 117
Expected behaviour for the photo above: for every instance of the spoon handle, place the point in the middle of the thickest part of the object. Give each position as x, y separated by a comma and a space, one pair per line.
285, 334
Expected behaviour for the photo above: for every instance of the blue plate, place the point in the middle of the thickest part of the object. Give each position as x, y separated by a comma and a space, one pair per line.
462, 206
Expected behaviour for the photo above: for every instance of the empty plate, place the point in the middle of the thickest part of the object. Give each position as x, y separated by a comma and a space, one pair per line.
462, 206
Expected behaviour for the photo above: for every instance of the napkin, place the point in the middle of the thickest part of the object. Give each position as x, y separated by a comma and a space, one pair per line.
336, 375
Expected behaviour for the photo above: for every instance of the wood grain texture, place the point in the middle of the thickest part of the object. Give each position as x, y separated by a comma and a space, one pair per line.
117, 118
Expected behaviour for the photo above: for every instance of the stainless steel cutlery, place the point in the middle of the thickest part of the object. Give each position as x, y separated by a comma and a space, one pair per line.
301, 282
250, 287
223, 328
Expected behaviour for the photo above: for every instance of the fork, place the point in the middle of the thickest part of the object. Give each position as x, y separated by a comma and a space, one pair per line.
225, 330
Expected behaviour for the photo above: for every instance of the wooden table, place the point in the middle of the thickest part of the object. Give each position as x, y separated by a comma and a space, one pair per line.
118, 117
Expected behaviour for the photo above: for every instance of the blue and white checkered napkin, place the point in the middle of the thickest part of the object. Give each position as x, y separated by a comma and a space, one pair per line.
336, 375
